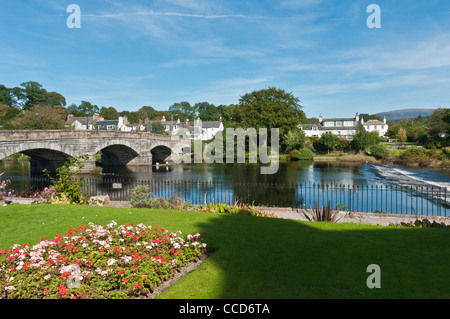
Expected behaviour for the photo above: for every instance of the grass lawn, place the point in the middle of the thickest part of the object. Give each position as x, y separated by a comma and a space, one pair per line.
269, 258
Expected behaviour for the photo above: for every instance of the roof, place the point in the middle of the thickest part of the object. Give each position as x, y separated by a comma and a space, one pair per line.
374, 122
108, 122
211, 124
308, 127
82, 120
338, 119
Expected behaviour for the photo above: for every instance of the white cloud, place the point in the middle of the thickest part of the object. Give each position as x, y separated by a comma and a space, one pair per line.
300, 4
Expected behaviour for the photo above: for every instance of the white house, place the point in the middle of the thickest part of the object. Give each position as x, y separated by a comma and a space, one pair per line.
376, 126
343, 127
199, 130
80, 123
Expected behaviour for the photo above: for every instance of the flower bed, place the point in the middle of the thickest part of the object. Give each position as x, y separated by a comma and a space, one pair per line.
109, 261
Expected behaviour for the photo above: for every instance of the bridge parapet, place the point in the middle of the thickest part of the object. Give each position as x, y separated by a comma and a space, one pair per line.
65, 134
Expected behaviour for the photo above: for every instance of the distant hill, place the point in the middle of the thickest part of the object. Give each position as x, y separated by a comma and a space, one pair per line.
405, 114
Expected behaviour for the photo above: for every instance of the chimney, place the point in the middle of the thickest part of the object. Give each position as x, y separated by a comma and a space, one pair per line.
320, 118
362, 120
384, 120
220, 119
125, 119
163, 119
357, 117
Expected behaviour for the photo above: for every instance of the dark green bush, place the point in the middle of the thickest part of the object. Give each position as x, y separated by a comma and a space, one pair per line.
304, 154
379, 151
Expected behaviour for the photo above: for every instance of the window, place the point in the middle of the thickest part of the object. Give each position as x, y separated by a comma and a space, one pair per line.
338, 123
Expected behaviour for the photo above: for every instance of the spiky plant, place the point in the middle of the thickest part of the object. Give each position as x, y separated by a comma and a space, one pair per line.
324, 214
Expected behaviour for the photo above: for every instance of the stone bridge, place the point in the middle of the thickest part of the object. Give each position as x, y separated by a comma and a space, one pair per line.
50, 149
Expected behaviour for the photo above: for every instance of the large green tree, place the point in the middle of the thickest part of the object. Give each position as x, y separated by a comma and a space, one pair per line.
269, 108
363, 140
207, 112
109, 113
182, 110
49, 118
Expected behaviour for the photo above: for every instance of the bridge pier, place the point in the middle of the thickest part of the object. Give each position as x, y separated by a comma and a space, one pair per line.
89, 165
144, 159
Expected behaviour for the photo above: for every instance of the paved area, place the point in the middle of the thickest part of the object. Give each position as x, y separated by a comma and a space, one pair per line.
358, 218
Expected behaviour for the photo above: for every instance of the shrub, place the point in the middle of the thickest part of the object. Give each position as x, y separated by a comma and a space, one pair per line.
379, 151
141, 197
236, 209
3, 189
108, 261
415, 154
67, 186
302, 154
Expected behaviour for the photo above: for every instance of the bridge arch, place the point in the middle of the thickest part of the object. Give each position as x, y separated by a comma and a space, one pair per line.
117, 154
160, 154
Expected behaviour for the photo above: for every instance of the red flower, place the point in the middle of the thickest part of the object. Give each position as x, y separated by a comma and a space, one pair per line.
62, 291
137, 285
65, 274
126, 280
122, 271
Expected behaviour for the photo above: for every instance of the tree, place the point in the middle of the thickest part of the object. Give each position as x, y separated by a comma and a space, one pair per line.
8, 113
437, 127
363, 140
415, 130
269, 108
48, 119
207, 112
158, 128
5, 96
182, 110
109, 113
33, 93
55, 98
402, 136
226, 112
393, 130
131, 116
327, 142
89, 107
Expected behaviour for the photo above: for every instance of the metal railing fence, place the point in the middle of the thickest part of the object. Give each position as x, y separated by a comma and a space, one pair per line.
380, 198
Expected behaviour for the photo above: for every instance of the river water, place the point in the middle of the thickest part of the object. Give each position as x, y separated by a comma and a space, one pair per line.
291, 174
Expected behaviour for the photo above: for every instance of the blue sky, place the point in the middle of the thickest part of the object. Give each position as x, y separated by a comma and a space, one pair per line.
128, 54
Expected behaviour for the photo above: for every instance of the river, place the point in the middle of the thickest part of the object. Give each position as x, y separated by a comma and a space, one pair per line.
290, 174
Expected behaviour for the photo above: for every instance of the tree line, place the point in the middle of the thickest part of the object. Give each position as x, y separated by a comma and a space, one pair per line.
266, 108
